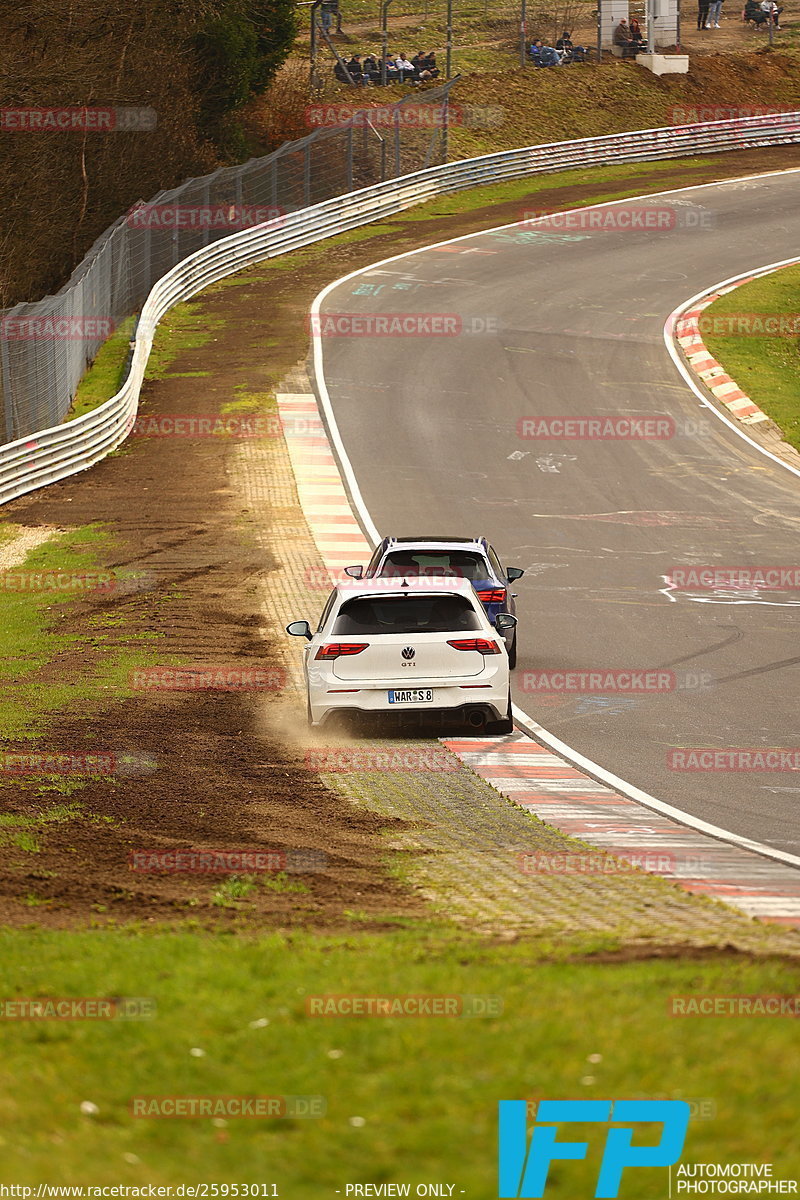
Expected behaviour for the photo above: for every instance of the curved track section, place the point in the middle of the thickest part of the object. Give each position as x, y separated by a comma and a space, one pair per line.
566, 321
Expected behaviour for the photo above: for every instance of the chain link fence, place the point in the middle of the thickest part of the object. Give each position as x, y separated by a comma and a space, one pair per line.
46, 346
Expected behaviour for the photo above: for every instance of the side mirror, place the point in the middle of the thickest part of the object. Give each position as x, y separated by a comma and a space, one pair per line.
504, 621
513, 573
354, 572
299, 629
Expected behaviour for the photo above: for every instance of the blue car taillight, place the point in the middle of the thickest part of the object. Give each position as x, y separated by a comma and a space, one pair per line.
492, 595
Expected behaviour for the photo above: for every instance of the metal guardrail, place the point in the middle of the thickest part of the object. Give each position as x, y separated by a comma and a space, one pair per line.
55, 454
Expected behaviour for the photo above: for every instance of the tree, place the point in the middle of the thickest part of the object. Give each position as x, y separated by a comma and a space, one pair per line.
238, 51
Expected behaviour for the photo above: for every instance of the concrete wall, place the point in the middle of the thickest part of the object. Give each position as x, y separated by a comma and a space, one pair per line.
611, 12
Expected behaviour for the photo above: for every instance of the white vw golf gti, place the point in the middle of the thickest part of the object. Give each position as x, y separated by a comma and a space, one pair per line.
423, 645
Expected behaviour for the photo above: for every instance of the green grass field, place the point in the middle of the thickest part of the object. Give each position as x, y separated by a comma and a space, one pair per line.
407, 1098
766, 368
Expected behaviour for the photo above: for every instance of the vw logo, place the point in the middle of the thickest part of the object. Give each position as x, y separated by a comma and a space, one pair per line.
408, 653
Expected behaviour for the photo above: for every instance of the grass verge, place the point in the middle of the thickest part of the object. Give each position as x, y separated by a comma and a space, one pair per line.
106, 375
35, 635
767, 368
400, 1093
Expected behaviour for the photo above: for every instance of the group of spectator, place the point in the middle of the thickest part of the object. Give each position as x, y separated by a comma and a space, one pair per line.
399, 69
761, 13
629, 38
561, 55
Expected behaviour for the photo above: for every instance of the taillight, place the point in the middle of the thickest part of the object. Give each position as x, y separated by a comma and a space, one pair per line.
482, 645
340, 649
492, 595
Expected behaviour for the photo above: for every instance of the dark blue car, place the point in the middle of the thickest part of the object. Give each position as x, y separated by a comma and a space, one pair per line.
465, 558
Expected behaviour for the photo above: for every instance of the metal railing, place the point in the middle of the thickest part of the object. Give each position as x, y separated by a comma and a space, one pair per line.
63, 450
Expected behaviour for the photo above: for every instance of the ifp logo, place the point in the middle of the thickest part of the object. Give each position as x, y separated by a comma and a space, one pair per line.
523, 1170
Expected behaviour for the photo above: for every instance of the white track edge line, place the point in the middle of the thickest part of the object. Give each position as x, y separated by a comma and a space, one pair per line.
529, 725
641, 797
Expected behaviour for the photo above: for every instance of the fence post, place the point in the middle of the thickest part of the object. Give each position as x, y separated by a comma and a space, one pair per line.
274, 180
207, 207
350, 158
445, 126
307, 174
6, 393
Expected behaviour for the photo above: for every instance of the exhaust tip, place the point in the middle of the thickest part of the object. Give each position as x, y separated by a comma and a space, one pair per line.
476, 719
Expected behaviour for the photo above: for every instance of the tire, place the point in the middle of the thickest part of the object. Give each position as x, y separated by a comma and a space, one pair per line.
505, 726
512, 654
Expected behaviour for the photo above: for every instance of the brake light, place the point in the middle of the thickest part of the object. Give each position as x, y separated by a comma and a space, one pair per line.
482, 645
340, 650
492, 595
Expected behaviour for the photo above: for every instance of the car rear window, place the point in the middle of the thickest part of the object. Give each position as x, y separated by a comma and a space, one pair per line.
460, 564
406, 614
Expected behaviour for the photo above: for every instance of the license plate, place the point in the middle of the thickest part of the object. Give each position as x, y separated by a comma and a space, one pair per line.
411, 696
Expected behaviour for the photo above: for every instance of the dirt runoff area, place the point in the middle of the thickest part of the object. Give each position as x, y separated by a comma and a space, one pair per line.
220, 767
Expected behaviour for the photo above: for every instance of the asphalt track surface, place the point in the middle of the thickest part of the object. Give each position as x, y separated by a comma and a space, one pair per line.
569, 322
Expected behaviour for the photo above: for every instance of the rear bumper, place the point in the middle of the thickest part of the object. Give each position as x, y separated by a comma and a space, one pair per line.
448, 702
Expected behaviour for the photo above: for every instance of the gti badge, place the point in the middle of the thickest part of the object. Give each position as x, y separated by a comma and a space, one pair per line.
408, 653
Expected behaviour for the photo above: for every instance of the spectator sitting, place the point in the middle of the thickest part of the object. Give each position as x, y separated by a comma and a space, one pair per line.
370, 69
405, 67
753, 12
568, 51
545, 56
771, 10
622, 38
392, 73
355, 69
339, 72
637, 36
421, 71
430, 64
